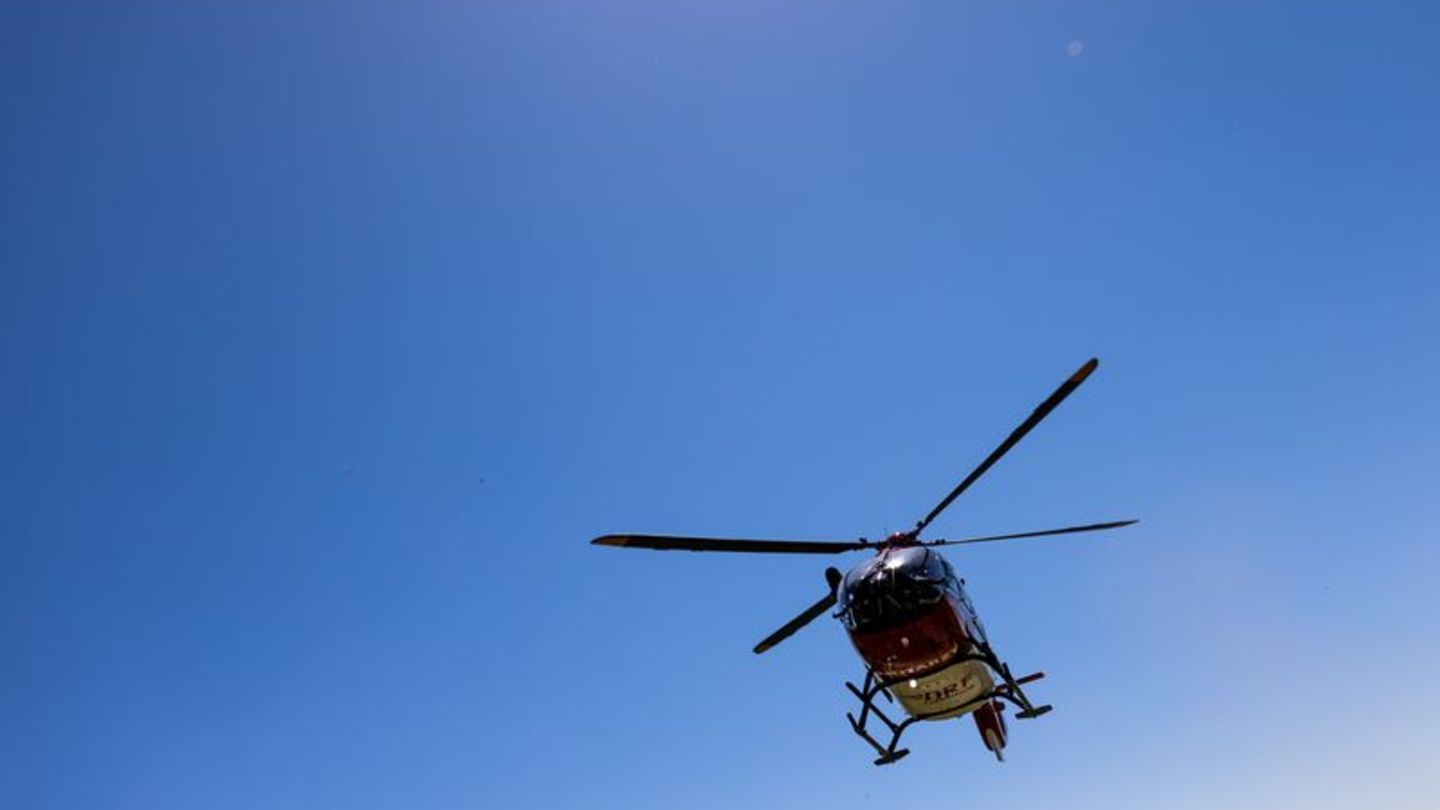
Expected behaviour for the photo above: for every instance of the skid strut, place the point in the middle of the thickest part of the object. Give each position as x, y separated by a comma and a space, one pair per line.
1008, 690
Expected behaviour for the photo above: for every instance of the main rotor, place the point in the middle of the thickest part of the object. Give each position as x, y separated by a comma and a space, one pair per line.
896, 540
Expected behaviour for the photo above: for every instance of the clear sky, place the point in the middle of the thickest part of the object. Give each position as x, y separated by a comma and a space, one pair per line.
331, 332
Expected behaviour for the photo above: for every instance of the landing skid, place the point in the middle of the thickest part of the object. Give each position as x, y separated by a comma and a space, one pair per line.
1009, 690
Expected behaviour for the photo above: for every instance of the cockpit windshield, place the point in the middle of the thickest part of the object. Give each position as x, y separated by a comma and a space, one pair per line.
892, 588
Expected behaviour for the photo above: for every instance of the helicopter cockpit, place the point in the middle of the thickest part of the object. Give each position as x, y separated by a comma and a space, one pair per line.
893, 588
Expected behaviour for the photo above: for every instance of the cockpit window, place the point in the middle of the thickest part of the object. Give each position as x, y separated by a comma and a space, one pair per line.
933, 569
892, 589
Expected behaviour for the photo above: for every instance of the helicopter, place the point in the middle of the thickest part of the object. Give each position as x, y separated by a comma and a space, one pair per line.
908, 616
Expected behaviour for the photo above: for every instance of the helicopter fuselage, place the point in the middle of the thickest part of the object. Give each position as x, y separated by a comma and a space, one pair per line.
909, 618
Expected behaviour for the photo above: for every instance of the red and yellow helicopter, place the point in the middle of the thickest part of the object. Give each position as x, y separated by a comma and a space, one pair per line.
907, 614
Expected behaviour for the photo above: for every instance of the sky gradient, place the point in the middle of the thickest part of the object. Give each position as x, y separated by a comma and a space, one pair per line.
332, 332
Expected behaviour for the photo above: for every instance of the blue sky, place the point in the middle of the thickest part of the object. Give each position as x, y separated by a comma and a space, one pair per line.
333, 332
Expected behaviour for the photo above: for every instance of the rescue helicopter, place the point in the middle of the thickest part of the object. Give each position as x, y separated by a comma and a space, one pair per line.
908, 616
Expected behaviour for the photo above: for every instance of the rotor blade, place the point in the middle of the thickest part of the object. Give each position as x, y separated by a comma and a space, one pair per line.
1094, 527
667, 543
1015, 436
796, 623
810, 614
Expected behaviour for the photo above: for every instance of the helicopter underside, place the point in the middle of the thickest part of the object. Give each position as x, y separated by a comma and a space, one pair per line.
938, 665
929, 661
951, 692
